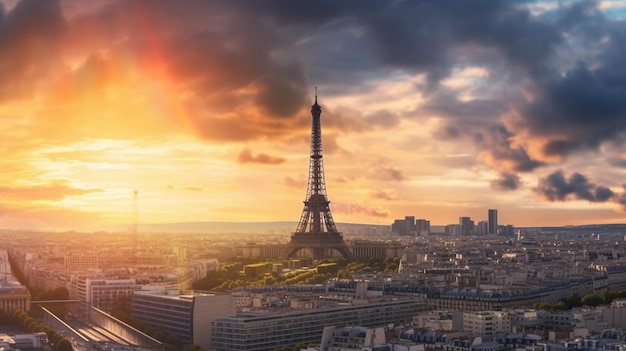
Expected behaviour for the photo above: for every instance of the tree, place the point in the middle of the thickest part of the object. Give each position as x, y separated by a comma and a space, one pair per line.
561, 306
574, 301
63, 345
544, 305
342, 274
592, 300
609, 295
392, 267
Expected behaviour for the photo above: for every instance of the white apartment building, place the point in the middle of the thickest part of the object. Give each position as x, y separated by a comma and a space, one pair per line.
188, 316
104, 293
485, 323
439, 320
523, 319
351, 338
100, 292
241, 299
265, 330
80, 262
593, 319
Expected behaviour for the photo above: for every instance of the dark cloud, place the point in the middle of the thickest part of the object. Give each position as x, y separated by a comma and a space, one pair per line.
478, 121
251, 42
354, 208
581, 110
618, 162
233, 128
261, 55
465, 113
500, 152
555, 187
621, 198
506, 182
381, 194
30, 36
238, 80
246, 156
418, 35
350, 120
449, 132
383, 119
391, 173
331, 146
283, 91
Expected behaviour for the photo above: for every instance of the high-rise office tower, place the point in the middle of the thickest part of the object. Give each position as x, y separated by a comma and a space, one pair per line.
467, 225
492, 221
404, 227
482, 228
422, 227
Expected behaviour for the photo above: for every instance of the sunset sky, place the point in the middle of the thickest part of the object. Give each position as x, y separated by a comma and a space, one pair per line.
436, 109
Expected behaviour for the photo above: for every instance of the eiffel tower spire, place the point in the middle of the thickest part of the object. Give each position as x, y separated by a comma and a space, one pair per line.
316, 229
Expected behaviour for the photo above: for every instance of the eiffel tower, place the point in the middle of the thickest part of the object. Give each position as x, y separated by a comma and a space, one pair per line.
316, 230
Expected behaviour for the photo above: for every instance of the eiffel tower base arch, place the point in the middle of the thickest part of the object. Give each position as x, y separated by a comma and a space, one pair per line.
320, 245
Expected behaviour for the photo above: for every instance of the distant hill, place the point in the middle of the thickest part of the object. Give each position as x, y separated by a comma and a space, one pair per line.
217, 227
276, 227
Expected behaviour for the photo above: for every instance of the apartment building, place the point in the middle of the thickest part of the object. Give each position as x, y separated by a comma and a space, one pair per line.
351, 338
265, 330
486, 323
188, 316
13, 295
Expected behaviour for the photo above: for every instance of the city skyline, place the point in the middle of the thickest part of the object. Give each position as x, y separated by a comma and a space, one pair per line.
430, 109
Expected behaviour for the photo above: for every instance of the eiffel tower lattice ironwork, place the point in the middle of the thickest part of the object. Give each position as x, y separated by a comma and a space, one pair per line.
316, 230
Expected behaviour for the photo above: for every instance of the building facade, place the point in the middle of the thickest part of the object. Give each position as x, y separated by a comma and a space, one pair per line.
492, 221
267, 330
486, 323
188, 316
13, 295
351, 338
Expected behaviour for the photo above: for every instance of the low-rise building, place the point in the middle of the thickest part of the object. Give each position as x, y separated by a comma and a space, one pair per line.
188, 316
351, 338
267, 329
486, 323
13, 295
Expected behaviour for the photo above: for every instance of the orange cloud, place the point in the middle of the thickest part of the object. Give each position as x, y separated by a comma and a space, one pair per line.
51, 192
389, 195
246, 156
354, 208
47, 218
391, 173
295, 183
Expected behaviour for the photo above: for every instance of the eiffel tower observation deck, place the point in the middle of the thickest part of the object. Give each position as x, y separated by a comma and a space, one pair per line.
316, 231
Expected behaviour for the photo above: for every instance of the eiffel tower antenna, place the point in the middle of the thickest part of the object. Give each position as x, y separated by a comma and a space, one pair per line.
316, 229
135, 225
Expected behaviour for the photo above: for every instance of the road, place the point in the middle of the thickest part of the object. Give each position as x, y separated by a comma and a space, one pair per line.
95, 334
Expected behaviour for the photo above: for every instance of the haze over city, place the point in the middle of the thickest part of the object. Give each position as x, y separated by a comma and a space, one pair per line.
437, 109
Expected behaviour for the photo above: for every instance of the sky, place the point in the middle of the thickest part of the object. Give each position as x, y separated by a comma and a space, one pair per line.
435, 109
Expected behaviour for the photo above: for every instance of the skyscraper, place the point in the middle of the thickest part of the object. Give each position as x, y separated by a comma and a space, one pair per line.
467, 225
492, 221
